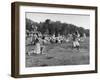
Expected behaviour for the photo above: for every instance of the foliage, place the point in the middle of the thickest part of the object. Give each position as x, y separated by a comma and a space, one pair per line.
57, 27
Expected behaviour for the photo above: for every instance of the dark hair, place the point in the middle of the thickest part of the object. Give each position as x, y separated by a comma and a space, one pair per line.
75, 33
43, 37
36, 41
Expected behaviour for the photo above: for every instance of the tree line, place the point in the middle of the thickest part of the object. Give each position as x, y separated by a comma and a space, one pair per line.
55, 27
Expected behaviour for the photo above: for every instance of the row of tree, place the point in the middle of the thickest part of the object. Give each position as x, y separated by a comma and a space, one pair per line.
57, 27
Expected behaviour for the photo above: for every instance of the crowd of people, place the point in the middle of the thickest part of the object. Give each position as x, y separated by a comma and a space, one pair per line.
39, 41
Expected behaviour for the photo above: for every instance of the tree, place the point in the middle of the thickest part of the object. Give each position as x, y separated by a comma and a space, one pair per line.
55, 27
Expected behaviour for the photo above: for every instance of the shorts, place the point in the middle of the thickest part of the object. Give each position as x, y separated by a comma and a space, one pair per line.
76, 43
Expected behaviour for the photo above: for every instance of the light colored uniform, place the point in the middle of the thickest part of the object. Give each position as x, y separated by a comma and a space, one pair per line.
37, 49
76, 43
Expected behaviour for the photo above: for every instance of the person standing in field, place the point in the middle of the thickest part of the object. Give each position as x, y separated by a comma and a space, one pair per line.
42, 42
75, 41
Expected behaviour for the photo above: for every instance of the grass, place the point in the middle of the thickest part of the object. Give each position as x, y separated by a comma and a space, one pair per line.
59, 54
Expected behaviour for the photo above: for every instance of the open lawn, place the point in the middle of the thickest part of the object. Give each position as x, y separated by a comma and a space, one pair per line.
59, 54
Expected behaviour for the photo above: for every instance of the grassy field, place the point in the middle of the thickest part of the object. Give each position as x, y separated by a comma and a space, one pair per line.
59, 54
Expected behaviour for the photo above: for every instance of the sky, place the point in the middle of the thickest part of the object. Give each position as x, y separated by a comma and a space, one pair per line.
78, 20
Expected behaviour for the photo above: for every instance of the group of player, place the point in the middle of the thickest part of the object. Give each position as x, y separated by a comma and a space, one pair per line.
39, 42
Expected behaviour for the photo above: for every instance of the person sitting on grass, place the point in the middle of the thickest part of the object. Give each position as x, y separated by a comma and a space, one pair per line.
37, 49
39, 46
